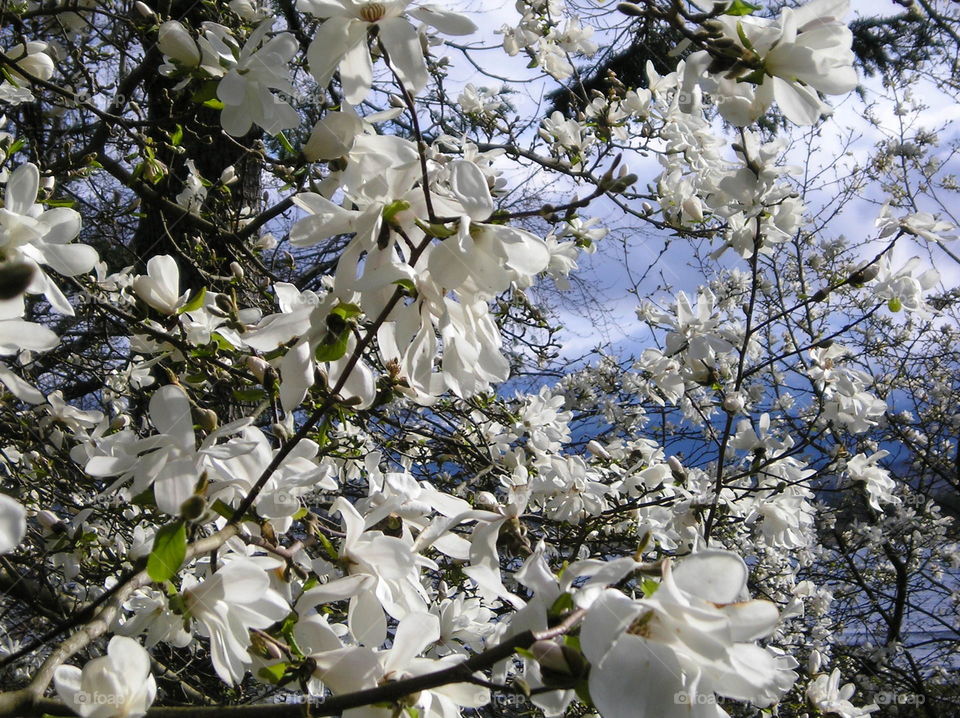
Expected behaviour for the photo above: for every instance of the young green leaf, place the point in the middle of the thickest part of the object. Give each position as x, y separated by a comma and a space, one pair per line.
169, 550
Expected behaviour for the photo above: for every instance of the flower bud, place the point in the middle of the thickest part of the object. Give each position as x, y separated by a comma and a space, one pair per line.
193, 508
207, 419
229, 176
237, 271
677, 470
864, 275
50, 521
15, 277
144, 10
631, 9
734, 403
257, 367
597, 450
176, 43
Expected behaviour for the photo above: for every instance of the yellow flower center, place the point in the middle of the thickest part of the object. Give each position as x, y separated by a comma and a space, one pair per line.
373, 11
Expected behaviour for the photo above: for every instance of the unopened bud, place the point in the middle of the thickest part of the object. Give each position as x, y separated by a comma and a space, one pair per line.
714, 27
50, 521
257, 366
676, 468
734, 403
237, 271
223, 303
144, 10
15, 277
621, 184
207, 419
864, 275
193, 508
229, 176
597, 450
631, 9
487, 500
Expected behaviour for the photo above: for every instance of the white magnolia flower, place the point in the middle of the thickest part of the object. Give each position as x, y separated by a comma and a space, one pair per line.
117, 685
250, 10
341, 41
347, 669
176, 43
876, 479
13, 524
194, 193
695, 635
333, 136
159, 287
826, 695
903, 288
33, 59
227, 605
806, 50
31, 234
383, 576
17, 335
921, 224
262, 65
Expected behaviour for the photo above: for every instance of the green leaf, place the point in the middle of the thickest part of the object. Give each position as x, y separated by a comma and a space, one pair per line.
744, 40
310, 583
195, 302
333, 347
328, 547
649, 587
739, 7
408, 286
251, 395
177, 137
285, 143
273, 674
169, 551
563, 604
221, 341
345, 311
207, 91
222, 508
60, 203
214, 104
582, 690
394, 208
440, 231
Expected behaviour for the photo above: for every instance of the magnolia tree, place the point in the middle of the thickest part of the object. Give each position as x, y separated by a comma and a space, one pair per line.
285, 424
